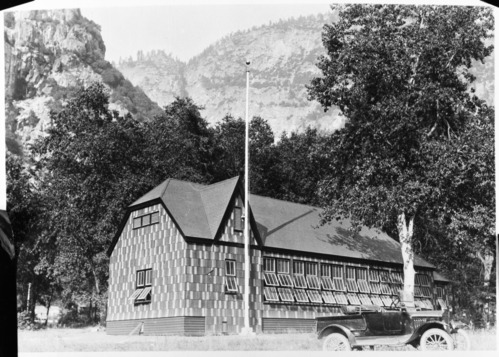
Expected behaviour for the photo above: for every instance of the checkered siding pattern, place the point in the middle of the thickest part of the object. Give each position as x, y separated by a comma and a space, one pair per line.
160, 247
206, 284
229, 235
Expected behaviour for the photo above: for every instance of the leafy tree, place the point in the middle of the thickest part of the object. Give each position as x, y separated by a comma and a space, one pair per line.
400, 75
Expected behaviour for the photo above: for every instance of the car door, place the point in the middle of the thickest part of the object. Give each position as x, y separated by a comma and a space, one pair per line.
392, 322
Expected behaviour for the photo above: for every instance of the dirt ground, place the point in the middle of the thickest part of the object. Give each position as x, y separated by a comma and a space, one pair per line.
91, 339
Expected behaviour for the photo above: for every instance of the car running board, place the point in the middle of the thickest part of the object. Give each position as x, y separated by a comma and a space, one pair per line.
382, 340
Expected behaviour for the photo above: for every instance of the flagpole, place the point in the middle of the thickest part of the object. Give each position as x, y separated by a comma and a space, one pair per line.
247, 329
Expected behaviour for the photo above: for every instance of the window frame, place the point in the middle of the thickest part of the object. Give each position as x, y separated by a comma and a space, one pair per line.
230, 279
149, 216
143, 287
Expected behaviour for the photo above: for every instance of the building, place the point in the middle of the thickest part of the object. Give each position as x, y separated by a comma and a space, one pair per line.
176, 264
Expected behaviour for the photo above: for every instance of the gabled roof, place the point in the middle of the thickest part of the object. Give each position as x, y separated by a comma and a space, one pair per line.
439, 277
6, 234
287, 225
198, 210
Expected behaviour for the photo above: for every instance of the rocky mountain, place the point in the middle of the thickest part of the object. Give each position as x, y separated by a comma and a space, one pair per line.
283, 57
49, 54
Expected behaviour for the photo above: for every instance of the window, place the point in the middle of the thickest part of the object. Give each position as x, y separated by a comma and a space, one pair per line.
440, 292
337, 271
339, 285
387, 301
422, 279
143, 287
286, 294
385, 289
373, 275
361, 274
350, 273
396, 288
353, 299
352, 285
384, 276
364, 299
301, 296
298, 268
375, 288
313, 282
269, 265
238, 219
326, 270
270, 293
376, 300
146, 220
300, 281
426, 291
271, 279
311, 268
328, 297
282, 266
327, 283
397, 277
340, 298
417, 291
230, 277
314, 296
285, 280
442, 304
363, 286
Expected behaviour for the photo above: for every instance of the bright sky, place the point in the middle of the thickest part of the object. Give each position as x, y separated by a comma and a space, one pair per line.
184, 30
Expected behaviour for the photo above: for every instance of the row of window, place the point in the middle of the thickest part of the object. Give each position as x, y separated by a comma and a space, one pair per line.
146, 220
283, 266
273, 294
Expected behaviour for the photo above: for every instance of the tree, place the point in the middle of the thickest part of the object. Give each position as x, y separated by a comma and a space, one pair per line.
400, 76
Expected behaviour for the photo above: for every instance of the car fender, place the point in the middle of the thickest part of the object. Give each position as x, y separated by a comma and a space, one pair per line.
338, 329
426, 326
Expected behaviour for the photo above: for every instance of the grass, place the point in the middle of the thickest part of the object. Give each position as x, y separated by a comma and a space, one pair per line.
90, 340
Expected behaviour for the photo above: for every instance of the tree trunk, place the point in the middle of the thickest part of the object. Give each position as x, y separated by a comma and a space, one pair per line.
487, 261
405, 227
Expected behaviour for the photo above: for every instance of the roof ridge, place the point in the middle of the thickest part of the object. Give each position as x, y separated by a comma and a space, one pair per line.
216, 183
166, 186
281, 200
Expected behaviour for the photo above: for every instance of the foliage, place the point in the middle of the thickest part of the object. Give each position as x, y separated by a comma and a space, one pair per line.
400, 76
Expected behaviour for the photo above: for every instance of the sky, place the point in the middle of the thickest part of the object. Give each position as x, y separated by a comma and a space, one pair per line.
184, 30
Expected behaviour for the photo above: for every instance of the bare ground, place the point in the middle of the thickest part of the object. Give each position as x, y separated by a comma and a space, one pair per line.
91, 340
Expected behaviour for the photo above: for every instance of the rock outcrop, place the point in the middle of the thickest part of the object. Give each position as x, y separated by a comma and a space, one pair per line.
49, 54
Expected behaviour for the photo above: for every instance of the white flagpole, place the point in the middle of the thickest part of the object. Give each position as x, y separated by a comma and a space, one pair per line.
247, 329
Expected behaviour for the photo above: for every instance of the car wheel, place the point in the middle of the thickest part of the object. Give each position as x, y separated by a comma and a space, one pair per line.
461, 340
336, 342
436, 340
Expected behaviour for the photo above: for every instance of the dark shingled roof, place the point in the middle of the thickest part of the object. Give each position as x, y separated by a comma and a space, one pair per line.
295, 226
199, 209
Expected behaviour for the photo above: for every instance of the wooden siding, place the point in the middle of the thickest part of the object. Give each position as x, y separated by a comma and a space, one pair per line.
160, 247
206, 283
182, 325
284, 325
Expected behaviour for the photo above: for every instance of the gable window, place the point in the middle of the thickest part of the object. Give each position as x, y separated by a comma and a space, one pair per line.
238, 216
143, 287
146, 220
230, 277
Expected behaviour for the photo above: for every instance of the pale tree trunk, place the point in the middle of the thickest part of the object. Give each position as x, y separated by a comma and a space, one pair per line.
405, 227
487, 260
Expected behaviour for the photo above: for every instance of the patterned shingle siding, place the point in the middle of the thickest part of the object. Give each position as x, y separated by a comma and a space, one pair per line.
160, 247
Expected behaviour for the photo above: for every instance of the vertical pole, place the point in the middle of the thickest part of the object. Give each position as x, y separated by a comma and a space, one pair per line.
247, 329
29, 293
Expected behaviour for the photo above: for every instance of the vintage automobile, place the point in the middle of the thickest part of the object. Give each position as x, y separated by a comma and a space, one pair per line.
363, 326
